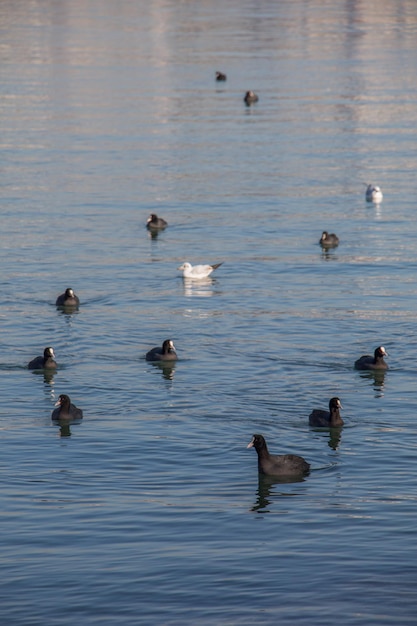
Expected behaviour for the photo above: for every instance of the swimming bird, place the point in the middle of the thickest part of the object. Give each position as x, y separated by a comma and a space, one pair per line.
330, 418
328, 240
65, 409
220, 76
68, 298
376, 362
155, 223
250, 97
47, 361
166, 353
198, 271
273, 465
373, 194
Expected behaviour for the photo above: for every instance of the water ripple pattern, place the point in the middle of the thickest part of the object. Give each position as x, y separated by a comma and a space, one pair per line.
150, 510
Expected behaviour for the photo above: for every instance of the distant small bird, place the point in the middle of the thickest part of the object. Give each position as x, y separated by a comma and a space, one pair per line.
166, 353
47, 361
66, 410
68, 299
198, 271
155, 223
250, 97
329, 240
273, 465
373, 194
330, 418
220, 76
376, 362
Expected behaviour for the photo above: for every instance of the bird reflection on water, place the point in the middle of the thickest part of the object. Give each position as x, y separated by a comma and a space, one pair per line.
48, 375
203, 288
68, 313
167, 368
266, 494
377, 380
64, 428
153, 234
335, 437
329, 254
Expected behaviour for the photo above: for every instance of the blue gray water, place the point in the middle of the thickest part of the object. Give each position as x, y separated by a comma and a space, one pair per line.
150, 511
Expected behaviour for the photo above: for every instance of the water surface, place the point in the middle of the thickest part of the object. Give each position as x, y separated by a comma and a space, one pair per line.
151, 511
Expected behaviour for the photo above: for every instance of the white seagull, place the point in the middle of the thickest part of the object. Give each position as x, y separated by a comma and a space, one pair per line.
197, 271
374, 194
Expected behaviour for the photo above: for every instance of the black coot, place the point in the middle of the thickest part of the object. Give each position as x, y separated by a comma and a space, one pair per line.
330, 418
68, 298
65, 409
273, 465
376, 362
165, 353
155, 223
328, 240
250, 97
47, 361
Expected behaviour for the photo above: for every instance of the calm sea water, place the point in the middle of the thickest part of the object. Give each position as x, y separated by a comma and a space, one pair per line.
151, 510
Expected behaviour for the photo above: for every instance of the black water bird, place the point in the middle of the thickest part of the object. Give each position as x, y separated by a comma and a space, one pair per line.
220, 76
155, 223
47, 361
328, 240
330, 418
273, 465
65, 409
166, 353
250, 97
68, 299
376, 362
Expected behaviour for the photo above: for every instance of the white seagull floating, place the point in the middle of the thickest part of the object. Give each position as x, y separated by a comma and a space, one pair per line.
374, 194
197, 271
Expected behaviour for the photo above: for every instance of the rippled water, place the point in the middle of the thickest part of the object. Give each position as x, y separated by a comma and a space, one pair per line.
150, 511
